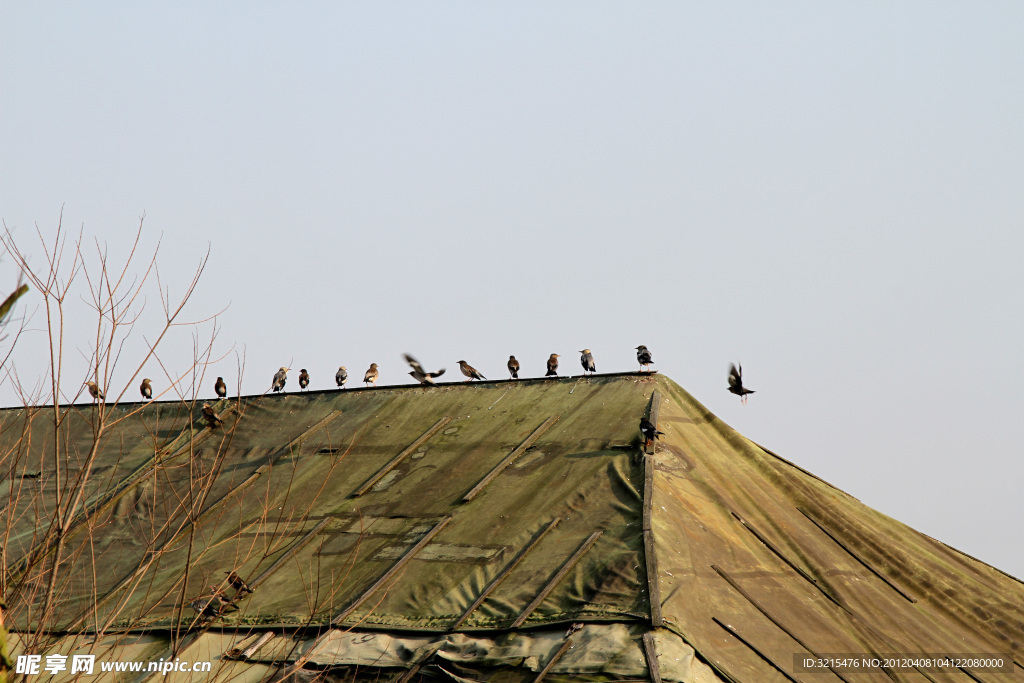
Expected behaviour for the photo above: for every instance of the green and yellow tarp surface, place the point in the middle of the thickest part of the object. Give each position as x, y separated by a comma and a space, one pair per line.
493, 531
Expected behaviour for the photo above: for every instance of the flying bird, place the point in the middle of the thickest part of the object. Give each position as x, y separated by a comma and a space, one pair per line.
146, 390
371, 375
469, 371
236, 582
213, 420
736, 382
643, 357
513, 367
552, 365
303, 379
280, 377
419, 374
649, 431
94, 390
221, 388
587, 361
341, 376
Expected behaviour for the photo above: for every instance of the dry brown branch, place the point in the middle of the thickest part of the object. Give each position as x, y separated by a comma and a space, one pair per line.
116, 296
171, 472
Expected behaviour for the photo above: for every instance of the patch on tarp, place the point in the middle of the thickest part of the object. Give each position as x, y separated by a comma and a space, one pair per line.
445, 552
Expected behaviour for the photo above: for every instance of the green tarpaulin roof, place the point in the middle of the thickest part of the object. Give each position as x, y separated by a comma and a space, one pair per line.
462, 530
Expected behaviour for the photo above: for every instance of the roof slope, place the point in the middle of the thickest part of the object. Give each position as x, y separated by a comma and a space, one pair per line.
758, 559
473, 524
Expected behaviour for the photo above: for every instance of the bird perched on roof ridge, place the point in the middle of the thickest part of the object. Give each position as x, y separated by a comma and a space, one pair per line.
280, 377
649, 431
303, 379
419, 374
146, 390
513, 367
221, 388
736, 383
469, 371
643, 357
552, 365
213, 420
341, 376
94, 390
587, 361
371, 375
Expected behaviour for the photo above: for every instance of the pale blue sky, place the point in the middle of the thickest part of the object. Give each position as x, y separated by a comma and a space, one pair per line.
830, 193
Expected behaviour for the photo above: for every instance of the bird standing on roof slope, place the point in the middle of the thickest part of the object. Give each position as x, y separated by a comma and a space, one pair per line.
513, 367
211, 606
206, 607
94, 390
552, 365
280, 377
469, 371
371, 375
220, 388
643, 357
736, 383
419, 374
146, 390
303, 379
240, 586
213, 420
587, 361
649, 431
341, 376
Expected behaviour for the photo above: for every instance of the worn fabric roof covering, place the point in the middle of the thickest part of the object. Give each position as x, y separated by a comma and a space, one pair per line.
449, 516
